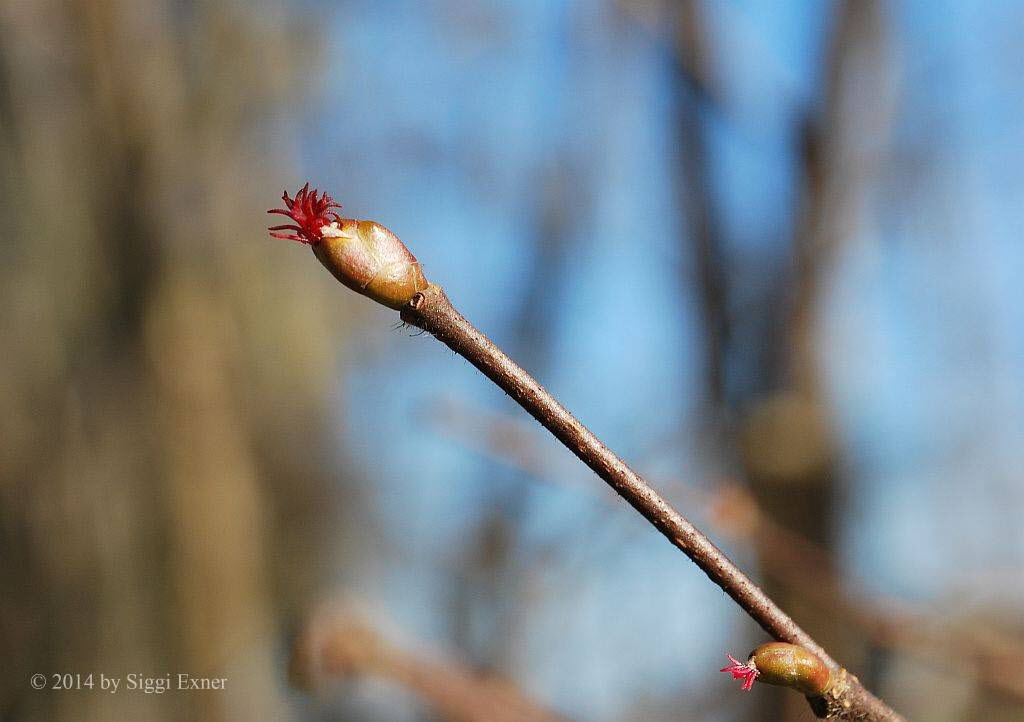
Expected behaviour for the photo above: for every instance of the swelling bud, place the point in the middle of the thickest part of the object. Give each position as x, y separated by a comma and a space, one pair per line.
363, 255
785, 665
371, 260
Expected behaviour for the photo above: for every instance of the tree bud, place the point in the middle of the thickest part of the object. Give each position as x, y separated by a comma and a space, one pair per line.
365, 256
785, 665
371, 260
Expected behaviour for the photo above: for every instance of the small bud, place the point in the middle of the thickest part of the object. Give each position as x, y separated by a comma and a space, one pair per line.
370, 259
365, 256
786, 665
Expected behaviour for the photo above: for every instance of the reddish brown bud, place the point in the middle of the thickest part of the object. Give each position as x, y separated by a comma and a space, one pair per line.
365, 256
790, 665
370, 259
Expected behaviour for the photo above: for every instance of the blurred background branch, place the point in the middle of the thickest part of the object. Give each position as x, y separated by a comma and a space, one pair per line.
337, 646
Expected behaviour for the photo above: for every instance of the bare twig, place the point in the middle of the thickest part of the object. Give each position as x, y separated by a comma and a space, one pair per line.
432, 311
929, 636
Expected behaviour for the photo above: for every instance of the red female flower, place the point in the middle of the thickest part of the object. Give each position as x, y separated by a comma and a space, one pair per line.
310, 213
747, 672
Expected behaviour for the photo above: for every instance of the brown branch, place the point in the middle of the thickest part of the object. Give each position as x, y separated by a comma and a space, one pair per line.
433, 312
337, 645
928, 636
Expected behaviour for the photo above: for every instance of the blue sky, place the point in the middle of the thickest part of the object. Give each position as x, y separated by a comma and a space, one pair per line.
453, 123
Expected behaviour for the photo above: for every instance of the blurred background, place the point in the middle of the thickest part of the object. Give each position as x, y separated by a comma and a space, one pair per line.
770, 252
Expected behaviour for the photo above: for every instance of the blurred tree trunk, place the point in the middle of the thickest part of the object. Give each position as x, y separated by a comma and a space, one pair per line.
155, 446
494, 560
784, 440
